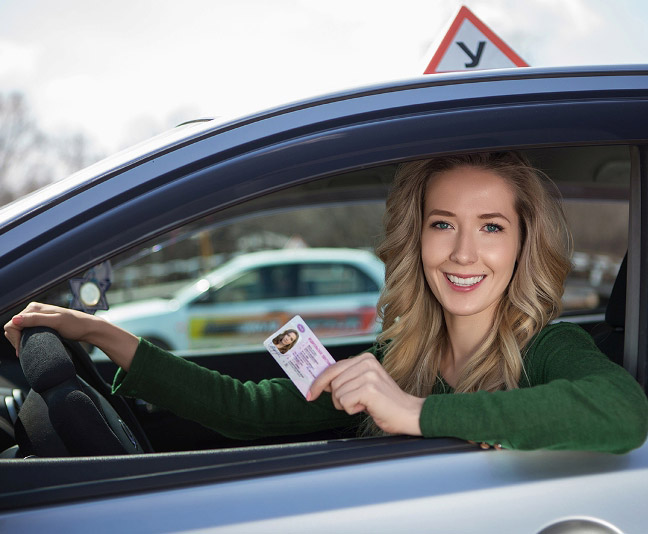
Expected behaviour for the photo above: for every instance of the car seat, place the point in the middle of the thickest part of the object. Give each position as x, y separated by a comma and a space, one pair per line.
609, 336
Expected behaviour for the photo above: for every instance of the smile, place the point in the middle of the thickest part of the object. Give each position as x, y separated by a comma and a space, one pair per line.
464, 282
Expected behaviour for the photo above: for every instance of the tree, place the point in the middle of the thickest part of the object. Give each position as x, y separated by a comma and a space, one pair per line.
19, 140
29, 158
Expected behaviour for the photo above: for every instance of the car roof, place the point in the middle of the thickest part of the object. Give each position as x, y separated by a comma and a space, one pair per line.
306, 254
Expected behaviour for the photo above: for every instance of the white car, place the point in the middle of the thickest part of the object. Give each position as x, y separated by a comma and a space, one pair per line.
246, 299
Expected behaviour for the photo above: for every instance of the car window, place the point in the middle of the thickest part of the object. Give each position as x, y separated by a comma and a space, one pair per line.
279, 281
595, 185
321, 279
276, 282
218, 283
248, 286
310, 248
600, 231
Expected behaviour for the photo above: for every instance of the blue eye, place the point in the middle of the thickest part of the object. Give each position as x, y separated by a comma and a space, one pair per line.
441, 225
492, 228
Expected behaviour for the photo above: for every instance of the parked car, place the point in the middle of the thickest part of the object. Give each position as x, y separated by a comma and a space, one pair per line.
321, 168
249, 297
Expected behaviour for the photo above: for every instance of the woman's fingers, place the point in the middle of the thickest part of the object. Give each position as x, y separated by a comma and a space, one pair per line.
362, 384
359, 384
324, 381
348, 394
484, 445
13, 328
12, 333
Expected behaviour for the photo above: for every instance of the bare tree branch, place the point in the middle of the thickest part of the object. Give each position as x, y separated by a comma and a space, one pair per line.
29, 158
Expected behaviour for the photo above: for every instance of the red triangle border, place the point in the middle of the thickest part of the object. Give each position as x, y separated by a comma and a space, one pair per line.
465, 13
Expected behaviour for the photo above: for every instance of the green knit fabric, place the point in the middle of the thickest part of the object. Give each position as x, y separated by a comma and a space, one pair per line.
570, 397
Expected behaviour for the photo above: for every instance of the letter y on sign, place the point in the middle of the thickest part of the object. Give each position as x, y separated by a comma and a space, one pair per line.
474, 58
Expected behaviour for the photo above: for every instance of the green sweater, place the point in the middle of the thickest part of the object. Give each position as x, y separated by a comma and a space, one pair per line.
570, 397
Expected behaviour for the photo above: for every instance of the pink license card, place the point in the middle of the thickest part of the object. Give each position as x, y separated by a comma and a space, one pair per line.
299, 353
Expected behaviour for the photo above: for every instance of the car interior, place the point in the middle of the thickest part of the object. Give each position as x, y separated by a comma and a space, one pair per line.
39, 417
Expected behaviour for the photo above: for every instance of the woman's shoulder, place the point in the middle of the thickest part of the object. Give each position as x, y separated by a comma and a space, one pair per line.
561, 333
563, 348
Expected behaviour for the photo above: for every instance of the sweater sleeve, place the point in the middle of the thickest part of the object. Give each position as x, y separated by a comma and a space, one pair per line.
574, 398
235, 409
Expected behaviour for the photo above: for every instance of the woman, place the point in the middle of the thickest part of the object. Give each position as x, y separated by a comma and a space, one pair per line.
476, 253
286, 340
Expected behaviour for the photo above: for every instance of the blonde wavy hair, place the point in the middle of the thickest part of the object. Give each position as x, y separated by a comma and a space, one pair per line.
414, 335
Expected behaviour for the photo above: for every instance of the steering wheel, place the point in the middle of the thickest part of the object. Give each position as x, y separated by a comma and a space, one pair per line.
63, 415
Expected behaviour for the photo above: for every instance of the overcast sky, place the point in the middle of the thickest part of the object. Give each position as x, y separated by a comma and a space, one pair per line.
122, 70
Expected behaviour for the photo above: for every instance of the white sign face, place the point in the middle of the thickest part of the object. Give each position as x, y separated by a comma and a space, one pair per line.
471, 45
471, 49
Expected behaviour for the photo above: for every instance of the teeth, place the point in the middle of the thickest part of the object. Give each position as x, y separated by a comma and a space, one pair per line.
465, 282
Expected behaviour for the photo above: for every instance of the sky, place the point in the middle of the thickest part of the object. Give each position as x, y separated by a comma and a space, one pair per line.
120, 71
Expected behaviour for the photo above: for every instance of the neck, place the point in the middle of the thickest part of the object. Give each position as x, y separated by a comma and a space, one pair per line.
465, 333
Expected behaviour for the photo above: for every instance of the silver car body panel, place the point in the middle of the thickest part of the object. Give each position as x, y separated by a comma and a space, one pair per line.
495, 491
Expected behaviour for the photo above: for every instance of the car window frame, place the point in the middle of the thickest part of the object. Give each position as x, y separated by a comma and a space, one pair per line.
635, 359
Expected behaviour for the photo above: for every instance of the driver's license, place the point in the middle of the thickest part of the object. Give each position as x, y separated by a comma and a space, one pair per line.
299, 353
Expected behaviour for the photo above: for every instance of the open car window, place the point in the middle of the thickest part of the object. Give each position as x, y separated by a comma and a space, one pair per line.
595, 186
230, 279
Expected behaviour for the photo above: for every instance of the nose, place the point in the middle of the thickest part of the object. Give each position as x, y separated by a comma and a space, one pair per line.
464, 251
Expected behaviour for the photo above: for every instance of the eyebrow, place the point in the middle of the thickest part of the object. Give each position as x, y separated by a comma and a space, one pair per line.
484, 216
494, 215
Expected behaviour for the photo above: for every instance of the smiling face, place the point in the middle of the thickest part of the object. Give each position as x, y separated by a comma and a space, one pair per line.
469, 241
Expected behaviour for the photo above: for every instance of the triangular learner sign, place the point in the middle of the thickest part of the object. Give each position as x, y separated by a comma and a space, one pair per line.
471, 45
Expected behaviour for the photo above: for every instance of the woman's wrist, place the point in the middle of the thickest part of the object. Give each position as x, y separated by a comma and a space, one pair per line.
118, 344
414, 420
96, 331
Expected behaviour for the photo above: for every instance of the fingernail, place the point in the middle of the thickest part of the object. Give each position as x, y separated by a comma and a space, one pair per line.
308, 395
17, 319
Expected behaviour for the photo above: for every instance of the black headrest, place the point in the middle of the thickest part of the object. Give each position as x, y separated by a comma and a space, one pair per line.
44, 359
615, 311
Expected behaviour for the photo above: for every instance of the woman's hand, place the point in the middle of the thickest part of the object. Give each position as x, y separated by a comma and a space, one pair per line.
362, 384
69, 324
118, 344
